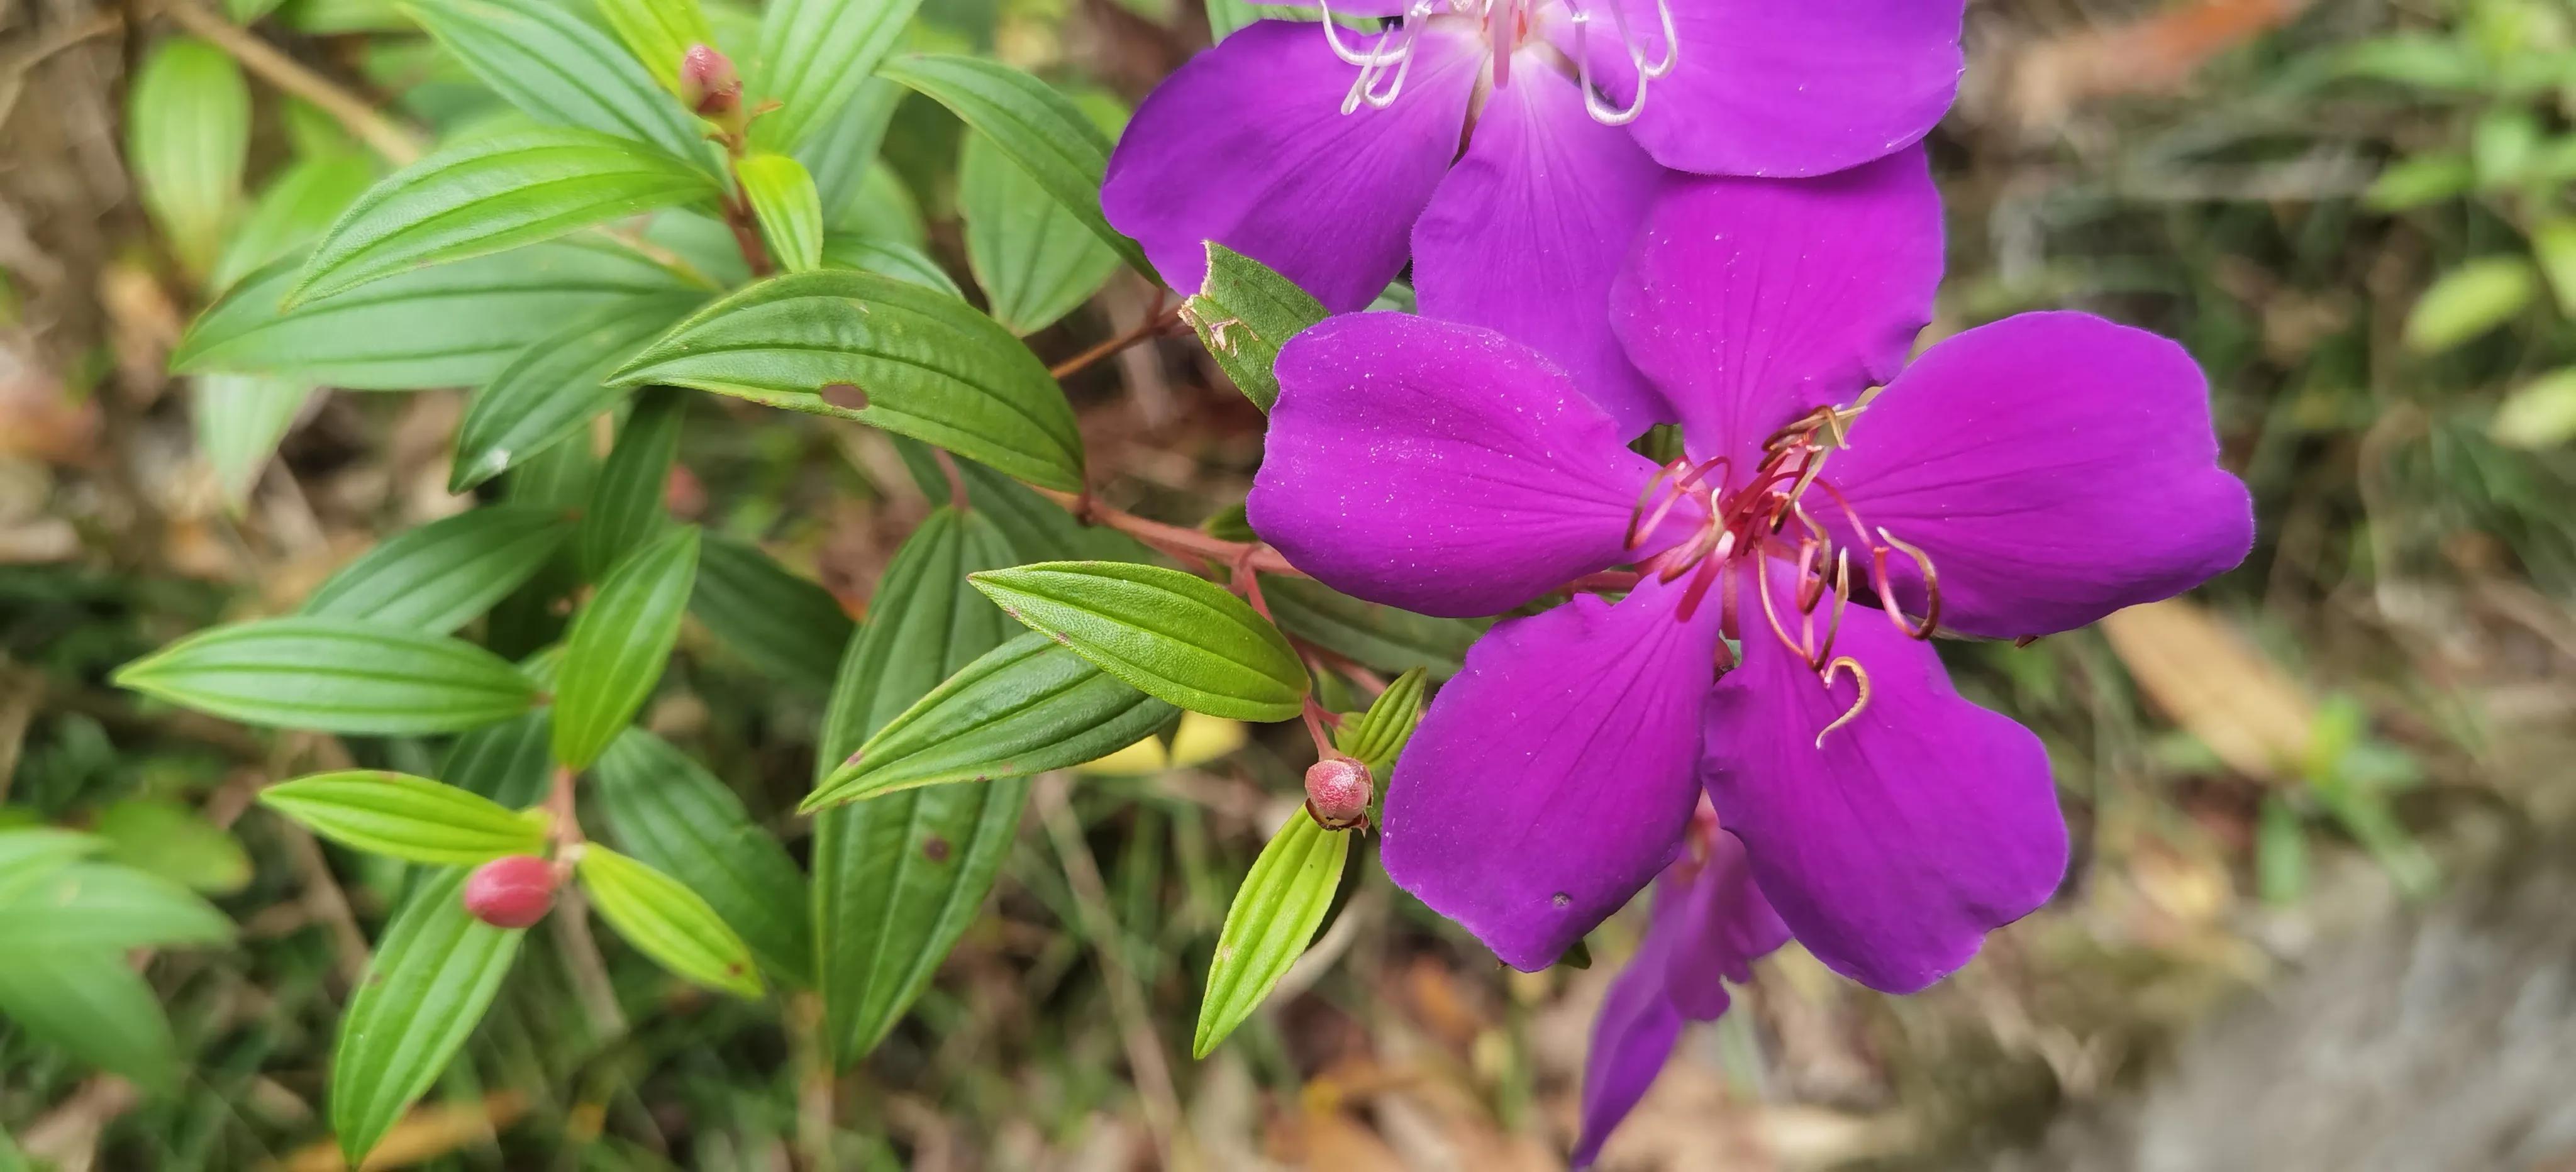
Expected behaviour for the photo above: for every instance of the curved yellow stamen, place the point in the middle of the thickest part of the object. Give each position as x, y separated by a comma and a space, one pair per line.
1860, 675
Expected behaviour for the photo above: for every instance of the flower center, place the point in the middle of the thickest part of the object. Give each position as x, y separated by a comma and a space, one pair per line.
1767, 515
1506, 27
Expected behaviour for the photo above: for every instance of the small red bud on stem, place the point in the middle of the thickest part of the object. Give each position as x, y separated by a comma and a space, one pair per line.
1338, 790
511, 892
708, 83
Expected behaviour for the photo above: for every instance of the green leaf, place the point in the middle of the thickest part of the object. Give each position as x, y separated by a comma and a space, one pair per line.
240, 418
666, 811
187, 134
889, 353
1036, 261
790, 628
294, 209
511, 763
405, 817
99, 906
889, 258
334, 675
619, 644
813, 57
32, 851
883, 208
666, 921
1274, 915
659, 32
175, 842
1382, 637
898, 880
1051, 139
626, 504
433, 975
1033, 525
1381, 733
93, 1006
1174, 635
563, 72
2470, 300
439, 576
452, 325
841, 153
558, 384
495, 192
2553, 244
790, 211
2280, 853
1244, 314
2421, 180
1025, 707
2538, 414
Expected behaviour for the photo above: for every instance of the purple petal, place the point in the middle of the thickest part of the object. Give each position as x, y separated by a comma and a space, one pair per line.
1247, 145
1719, 925
2055, 466
1552, 778
1527, 231
1752, 301
1631, 1041
1442, 468
1912, 831
1780, 88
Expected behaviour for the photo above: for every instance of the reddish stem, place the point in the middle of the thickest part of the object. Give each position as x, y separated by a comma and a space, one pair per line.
1154, 323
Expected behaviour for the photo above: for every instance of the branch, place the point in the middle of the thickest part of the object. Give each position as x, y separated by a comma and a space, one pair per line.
1153, 324
284, 72
1173, 539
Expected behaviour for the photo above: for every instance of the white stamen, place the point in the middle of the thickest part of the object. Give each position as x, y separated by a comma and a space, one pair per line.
1601, 111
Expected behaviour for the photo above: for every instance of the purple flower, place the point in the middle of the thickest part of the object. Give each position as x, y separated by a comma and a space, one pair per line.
1710, 924
2018, 479
1509, 147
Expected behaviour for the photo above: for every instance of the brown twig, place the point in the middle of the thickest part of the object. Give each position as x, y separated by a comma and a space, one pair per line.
1177, 540
284, 72
1154, 323
746, 235
13, 75
956, 479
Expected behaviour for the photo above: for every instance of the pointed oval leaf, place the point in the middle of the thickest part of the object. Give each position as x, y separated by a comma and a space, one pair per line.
626, 502
239, 419
1244, 314
511, 763
449, 325
788, 627
557, 385
28, 851
1036, 261
884, 352
2470, 300
789, 209
671, 814
619, 645
888, 258
1024, 707
335, 675
95, 1007
405, 817
1051, 139
100, 906
665, 920
1381, 733
188, 133
899, 879
1174, 635
431, 979
840, 153
659, 32
176, 842
813, 56
489, 193
552, 64
437, 577
1274, 915
294, 209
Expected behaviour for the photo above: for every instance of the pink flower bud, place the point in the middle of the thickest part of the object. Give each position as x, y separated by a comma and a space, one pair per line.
511, 892
1338, 790
708, 83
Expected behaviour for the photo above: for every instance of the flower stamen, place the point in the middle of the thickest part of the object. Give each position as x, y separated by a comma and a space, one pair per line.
1860, 676
1887, 595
